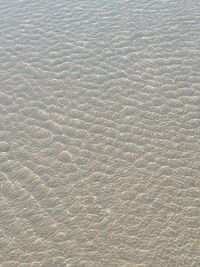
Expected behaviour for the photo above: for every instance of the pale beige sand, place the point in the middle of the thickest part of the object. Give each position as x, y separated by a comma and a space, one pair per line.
99, 133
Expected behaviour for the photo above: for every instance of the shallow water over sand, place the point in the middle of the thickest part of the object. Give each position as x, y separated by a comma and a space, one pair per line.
99, 133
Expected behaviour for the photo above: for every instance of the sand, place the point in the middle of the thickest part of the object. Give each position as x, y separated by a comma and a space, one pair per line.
99, 133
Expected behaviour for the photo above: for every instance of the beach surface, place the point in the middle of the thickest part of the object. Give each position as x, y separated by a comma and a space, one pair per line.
99, 133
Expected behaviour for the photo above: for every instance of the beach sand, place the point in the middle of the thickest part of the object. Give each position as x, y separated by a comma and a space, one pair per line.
99, 133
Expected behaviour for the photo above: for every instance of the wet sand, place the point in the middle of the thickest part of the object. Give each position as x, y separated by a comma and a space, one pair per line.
99, 133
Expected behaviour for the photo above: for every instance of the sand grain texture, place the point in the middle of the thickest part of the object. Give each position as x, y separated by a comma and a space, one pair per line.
99, 133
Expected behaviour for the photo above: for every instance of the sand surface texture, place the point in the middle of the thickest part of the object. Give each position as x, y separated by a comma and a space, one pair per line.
99, 133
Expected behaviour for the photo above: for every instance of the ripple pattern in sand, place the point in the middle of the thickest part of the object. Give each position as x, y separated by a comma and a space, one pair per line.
99, 133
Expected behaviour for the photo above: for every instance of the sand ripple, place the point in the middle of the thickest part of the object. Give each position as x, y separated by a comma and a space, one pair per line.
99, 133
